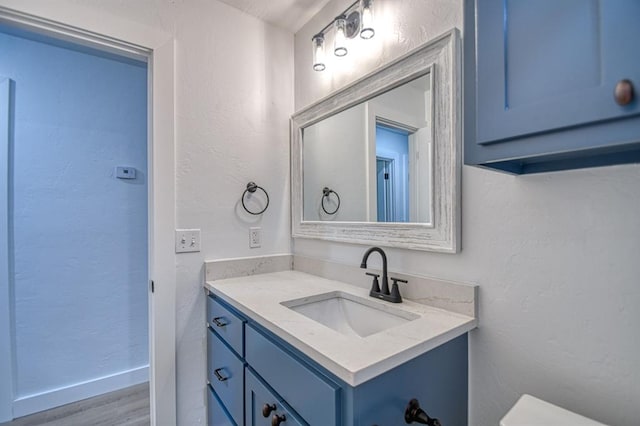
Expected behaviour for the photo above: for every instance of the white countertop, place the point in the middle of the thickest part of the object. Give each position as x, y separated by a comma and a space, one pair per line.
352, 359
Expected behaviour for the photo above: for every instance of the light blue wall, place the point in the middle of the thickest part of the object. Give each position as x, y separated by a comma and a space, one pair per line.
80, 234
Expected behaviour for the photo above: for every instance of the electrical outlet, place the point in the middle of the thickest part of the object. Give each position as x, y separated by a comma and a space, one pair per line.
255, 237
187, 240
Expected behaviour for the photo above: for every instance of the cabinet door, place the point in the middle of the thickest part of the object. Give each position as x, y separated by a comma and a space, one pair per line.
545, 65
539, 82
261, 401
310, 394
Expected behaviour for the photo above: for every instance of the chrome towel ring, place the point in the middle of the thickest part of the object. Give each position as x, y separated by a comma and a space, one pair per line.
251, 188
326, 192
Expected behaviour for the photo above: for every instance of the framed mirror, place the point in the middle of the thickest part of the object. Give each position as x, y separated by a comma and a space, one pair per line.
378, 162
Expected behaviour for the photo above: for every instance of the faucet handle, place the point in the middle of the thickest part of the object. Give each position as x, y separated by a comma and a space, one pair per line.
375, 286
395, 291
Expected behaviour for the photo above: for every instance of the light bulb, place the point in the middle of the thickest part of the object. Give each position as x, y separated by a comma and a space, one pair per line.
367, 30
340, 42
318, 52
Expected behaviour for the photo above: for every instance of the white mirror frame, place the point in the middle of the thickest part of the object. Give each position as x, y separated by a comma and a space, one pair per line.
441, 57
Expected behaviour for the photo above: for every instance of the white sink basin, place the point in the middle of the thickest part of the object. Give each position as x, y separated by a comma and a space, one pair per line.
348, 314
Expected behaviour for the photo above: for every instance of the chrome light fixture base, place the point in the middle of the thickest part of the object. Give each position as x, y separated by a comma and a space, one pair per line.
353, 24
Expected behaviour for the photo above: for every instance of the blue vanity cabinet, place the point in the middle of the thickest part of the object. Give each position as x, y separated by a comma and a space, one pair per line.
539, 83
279, 380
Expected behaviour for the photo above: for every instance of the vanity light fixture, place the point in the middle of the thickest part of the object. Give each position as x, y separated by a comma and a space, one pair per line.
366, 10
340, 41
318, 52
356, 19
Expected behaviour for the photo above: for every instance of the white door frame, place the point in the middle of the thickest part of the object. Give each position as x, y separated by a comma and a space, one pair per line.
6, 353
84, 26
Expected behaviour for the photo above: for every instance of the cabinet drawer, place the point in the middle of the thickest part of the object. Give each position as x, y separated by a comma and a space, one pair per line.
312, 396
216, 414
257, 396
225, 372
226, 324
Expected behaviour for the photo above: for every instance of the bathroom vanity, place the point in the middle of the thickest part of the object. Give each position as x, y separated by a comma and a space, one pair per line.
280, 352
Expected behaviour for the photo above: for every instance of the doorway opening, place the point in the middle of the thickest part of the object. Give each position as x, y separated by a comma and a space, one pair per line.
75, 239
392, 173
385, 183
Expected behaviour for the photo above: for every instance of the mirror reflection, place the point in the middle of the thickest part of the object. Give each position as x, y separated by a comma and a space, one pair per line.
373, 161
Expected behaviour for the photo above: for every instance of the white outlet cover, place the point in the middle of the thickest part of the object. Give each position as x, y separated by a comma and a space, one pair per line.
255, 237
187, 240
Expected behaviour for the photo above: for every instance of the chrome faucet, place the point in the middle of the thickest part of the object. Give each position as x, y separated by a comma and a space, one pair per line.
382, 292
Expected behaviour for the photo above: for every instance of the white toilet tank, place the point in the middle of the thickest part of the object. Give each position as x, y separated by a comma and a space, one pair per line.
531, 411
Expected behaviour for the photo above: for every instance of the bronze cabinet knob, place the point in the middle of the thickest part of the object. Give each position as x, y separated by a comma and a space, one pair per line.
623, 92
276, 419
267, 409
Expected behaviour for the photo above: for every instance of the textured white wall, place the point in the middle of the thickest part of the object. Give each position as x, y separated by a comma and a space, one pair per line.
234, 96
555, 255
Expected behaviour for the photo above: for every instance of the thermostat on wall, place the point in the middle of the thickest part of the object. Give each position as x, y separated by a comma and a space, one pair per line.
125, 172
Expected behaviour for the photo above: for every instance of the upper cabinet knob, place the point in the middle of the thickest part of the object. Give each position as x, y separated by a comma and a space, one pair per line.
623, 92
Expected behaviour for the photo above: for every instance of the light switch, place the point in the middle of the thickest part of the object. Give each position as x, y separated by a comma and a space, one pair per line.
187, 240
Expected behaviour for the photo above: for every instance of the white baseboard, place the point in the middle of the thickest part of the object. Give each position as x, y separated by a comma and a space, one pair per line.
30, 404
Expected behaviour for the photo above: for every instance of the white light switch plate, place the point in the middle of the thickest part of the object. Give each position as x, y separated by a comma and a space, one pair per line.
187, 240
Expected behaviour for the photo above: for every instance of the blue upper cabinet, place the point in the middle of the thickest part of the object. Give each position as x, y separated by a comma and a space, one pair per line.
540, 79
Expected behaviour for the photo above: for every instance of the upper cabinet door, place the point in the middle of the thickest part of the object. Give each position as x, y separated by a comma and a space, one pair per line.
547, 66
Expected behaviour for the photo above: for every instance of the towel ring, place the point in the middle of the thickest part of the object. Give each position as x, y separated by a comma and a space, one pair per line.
326, 192
251, 188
